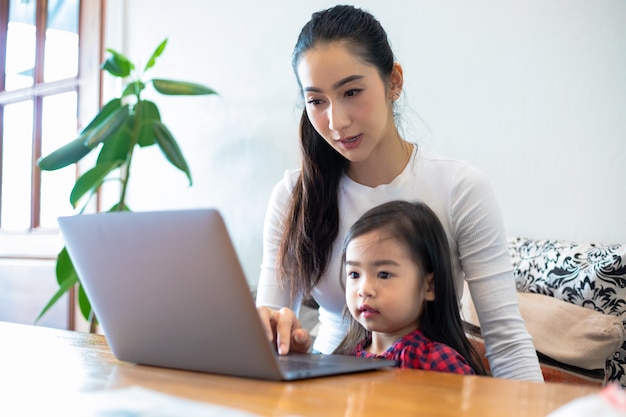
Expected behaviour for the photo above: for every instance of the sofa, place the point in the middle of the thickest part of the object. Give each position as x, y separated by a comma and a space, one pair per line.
572, 297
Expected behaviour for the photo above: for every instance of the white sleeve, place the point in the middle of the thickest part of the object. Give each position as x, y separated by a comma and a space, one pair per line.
270, 293
481, 239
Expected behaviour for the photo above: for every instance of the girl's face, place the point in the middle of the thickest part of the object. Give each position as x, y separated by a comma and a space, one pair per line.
346, 100
384, 286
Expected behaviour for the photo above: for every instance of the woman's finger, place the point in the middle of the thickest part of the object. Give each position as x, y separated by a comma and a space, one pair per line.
266, 314
286, 322
301, 340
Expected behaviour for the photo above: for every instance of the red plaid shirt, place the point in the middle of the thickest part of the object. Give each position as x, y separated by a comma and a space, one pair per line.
416, 351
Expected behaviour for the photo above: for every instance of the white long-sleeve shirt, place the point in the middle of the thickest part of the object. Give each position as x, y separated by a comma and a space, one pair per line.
465, 203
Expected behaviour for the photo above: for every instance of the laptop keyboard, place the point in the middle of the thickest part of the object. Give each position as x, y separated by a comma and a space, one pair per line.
298, 363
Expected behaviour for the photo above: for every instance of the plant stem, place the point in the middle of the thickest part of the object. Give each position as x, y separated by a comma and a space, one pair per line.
124, 177
93, 322
133, 142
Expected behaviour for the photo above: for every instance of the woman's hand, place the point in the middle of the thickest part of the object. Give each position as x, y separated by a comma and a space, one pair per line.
284, 329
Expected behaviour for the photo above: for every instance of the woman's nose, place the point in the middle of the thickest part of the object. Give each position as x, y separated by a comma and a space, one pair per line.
337, 120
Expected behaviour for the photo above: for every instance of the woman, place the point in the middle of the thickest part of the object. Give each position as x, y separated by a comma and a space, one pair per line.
354, 158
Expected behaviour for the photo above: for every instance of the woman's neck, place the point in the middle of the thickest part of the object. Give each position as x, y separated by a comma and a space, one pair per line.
385, 163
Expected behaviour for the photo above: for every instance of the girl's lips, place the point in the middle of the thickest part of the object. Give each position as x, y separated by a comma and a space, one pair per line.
368, 312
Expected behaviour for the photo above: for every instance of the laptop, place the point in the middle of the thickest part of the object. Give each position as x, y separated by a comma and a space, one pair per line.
168, 290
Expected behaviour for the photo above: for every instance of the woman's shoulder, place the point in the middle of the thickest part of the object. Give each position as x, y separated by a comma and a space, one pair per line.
281, 193
438, 167
436, 161
285, 185
290, 177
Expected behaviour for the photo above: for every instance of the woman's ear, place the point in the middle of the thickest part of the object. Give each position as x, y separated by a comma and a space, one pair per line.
396, 79
429, 291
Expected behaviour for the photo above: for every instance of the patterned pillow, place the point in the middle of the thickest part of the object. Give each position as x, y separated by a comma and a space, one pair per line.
588, 275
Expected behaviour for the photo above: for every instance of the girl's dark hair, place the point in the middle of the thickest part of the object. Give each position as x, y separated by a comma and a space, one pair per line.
312, 220
417, 227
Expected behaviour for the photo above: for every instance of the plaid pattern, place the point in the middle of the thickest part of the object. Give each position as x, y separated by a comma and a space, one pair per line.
416, 351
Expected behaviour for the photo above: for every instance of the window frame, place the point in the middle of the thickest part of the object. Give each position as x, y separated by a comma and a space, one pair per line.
35, 242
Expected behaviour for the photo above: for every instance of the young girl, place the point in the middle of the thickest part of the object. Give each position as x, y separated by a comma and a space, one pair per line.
400, 291
354, 158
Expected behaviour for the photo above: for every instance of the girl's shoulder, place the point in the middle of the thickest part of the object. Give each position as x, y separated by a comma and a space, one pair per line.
416, 341
418, 351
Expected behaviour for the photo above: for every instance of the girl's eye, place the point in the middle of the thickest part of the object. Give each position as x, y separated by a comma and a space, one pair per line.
384, 275
353, 275
353, 92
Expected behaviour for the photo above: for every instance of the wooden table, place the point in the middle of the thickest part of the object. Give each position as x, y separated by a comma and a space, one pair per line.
41, 365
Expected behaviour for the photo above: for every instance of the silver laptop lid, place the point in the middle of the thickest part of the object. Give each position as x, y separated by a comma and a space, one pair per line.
158, 283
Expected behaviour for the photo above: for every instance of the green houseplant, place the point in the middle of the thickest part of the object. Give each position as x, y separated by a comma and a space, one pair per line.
124, 124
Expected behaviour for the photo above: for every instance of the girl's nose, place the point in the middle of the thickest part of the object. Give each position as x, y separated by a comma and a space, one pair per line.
367, 288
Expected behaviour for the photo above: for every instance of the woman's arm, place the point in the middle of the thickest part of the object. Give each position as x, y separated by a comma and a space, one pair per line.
278, 315
481, 240
270, 292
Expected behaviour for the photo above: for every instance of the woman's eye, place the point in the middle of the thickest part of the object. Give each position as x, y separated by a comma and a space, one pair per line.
384, 275
353, 92
314, 101
353, 275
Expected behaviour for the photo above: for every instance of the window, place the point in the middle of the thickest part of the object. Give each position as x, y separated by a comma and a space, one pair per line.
50, 52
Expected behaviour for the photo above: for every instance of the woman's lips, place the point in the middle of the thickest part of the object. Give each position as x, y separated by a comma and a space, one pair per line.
350, 142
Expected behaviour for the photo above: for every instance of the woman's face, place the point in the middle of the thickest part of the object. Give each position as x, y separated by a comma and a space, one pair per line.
346, 100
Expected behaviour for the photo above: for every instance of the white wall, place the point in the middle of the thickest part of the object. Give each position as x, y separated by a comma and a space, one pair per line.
533, 92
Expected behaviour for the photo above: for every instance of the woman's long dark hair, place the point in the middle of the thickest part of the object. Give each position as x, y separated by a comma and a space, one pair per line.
417, 227
311, 223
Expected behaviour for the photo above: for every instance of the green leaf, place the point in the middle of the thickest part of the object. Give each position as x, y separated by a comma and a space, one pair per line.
74, 151
184, 88
134, 88
91, 180
63, 288
157, 53
146, 135
103, 114
170, 148
107, 128
146, 112
117, 64
84, 303
64, 267
117, 207
66, 155
66, 278
116, 148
